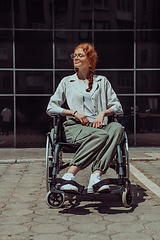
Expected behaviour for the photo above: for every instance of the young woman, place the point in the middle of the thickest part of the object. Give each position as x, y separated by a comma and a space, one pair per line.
91, 100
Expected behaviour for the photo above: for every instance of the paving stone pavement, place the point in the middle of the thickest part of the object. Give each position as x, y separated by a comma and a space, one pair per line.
24, 214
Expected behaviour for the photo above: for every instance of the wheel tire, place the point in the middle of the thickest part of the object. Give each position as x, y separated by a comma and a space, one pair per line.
55, 200
48, 147
127, 198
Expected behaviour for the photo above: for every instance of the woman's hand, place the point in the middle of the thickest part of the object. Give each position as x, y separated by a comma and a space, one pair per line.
82, 118
99, 120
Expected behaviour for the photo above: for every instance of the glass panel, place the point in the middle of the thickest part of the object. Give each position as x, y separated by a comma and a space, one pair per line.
32, 121
33, 14
65, 43
114, 14
148, 133
128, 120
6, 82
148, 82
6, 123
69, 14
122, 81
148, 14
5, 14
34, 82
6, 55
115, 49
33, 49
148, 49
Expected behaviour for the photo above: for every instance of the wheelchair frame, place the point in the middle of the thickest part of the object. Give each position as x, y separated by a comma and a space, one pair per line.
55, 197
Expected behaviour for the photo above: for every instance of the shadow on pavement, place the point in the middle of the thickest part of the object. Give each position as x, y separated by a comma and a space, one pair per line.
106, 203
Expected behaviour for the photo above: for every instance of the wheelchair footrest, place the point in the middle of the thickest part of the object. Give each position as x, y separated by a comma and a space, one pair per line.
61, 182
108, 181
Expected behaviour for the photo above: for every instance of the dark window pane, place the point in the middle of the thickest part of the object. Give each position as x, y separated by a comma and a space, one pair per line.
33, 49
85, 2
33, 14
6, 123
145, 5
69, 14
121, 81
148, 82
149, 49
118, 5
6, 51
149, 121
34, 82
60, 6
32, 121
148, 11
5, 14
6, 82
5, 5
115, 49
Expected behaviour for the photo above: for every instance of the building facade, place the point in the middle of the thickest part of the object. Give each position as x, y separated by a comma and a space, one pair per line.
36, 40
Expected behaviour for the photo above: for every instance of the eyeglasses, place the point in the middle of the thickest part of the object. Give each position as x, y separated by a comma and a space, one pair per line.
77, 55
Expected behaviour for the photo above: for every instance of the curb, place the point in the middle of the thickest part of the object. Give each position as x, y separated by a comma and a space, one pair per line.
11, 161
144, 159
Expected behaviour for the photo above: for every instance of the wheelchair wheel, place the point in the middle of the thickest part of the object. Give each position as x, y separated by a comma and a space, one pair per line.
55, 200
126, 158
127, 195
49, 160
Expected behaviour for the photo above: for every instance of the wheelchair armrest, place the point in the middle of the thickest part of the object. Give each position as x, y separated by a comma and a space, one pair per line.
56, 128
115, 118
58, 120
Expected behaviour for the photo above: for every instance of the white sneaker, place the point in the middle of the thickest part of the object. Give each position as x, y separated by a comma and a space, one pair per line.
69, 187
95, 178
68, 176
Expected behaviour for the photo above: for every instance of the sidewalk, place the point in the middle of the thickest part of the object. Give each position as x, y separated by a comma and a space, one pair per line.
12, 155
24, 214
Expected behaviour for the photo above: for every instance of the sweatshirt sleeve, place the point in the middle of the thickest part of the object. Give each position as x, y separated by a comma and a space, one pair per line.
112, 99
57, 99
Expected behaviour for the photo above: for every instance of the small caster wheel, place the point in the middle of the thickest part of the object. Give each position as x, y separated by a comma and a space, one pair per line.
55, 200
127, 198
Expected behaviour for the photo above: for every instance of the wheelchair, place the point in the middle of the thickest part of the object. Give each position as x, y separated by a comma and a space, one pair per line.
56, 145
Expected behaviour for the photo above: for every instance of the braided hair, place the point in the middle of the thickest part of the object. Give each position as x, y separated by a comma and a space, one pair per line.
92, 59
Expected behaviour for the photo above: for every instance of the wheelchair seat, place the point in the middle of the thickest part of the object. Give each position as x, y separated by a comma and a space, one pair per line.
56, 145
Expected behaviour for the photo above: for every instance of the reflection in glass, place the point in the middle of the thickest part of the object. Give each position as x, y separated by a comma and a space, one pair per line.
34, 82
33, 49
122, 81
33, 14
115, 49
6, 49
148, 82
6, 82
32, 121
147, 49
148, 13
5, 14
68, 14
6, 123
115, 15
148, 133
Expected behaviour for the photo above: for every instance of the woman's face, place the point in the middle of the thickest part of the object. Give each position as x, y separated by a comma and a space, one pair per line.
80, 60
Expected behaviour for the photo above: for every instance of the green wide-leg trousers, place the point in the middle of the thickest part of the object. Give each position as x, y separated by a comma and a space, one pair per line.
97, 146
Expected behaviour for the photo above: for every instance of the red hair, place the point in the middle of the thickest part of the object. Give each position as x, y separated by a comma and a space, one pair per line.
92, 59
